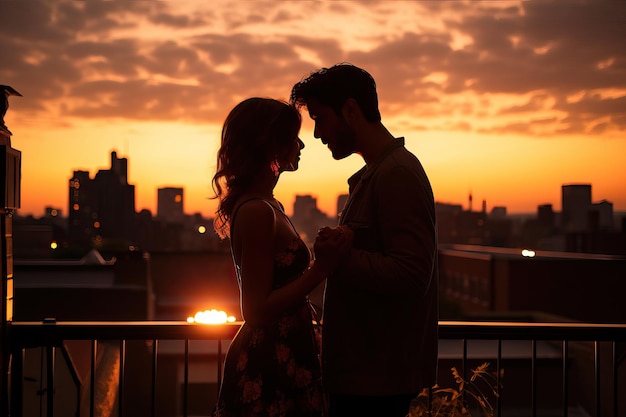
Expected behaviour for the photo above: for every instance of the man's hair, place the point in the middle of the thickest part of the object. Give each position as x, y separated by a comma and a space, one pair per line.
335, 85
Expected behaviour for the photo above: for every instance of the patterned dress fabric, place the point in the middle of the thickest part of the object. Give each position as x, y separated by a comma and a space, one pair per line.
274, 370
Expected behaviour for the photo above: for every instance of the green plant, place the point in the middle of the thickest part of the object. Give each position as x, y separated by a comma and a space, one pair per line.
470, 396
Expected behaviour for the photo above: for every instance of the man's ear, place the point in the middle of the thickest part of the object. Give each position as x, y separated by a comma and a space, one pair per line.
351, 111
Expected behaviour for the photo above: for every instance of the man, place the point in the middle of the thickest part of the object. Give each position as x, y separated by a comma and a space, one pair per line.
379, 344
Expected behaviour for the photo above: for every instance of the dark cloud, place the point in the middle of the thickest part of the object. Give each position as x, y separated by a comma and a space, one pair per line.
181, 21
79, 58
550, 49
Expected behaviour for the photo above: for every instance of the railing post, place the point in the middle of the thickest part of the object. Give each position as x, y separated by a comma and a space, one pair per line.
219, 366
565, 366
186, 380
533, 371
153, 391
10, 166
596, 366
92, 384
50, 358
498, 382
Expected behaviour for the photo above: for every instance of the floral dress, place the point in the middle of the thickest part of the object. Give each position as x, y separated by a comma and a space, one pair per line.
273, 370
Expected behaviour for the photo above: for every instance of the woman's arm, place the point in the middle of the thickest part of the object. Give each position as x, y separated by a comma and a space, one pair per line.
255, 246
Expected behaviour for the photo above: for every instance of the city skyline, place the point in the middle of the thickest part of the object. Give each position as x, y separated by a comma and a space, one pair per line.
163, 193
505, 100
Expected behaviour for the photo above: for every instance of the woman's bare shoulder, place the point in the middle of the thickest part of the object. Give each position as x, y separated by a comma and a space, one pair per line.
254, 213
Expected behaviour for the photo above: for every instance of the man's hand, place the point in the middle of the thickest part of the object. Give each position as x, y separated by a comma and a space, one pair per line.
332, 245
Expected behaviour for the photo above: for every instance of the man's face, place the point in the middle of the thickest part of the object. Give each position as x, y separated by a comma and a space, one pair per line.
332, 129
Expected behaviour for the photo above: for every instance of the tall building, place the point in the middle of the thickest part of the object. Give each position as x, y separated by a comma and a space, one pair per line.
603, 215
170, 205
102, 209
498, 213
307, 218
545, 215
576, 205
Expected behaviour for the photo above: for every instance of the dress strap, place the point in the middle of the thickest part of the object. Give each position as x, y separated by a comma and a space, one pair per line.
279, 209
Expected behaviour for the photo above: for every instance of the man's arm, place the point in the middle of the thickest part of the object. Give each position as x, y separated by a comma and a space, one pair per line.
407, 232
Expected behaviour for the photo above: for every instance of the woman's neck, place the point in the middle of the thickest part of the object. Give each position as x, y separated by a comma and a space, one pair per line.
263, 187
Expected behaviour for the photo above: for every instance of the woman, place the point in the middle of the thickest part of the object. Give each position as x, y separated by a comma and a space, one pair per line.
272, 366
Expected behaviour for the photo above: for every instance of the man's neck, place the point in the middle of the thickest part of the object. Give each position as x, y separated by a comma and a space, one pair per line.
374, 140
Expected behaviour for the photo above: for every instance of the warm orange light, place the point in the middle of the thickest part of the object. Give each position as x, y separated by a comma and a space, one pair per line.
201, 230
53, 245
211, 317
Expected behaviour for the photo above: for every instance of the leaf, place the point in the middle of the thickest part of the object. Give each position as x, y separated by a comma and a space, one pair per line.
457, 378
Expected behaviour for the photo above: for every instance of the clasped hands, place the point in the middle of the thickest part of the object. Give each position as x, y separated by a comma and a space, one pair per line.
332, 245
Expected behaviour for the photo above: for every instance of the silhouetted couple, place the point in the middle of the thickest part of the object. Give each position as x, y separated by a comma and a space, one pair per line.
380, 313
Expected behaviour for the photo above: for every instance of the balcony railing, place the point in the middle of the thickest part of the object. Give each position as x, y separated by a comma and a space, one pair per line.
576, 366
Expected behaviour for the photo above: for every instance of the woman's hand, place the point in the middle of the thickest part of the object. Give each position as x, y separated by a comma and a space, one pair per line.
332, 245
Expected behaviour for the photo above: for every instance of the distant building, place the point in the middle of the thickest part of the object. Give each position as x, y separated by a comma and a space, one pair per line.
90, 288
39, 237
170, 205
545, 215
308, 219
575, 207
102, 216
455, 225
585, 287
102, 209
589, 227
603, 215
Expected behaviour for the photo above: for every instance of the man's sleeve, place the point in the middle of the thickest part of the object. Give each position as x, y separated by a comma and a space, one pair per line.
407, 232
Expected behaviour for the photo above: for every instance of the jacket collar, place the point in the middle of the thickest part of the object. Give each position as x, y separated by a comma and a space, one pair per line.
368, 170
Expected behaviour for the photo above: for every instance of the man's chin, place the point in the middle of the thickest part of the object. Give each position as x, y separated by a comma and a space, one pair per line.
337, 155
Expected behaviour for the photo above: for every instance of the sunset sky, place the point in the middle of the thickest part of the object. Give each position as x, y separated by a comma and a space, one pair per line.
507, 100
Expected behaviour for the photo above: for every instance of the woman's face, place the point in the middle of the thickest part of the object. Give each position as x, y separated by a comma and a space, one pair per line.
291, 156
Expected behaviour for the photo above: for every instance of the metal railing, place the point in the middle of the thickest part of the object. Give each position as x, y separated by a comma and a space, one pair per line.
608, 399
